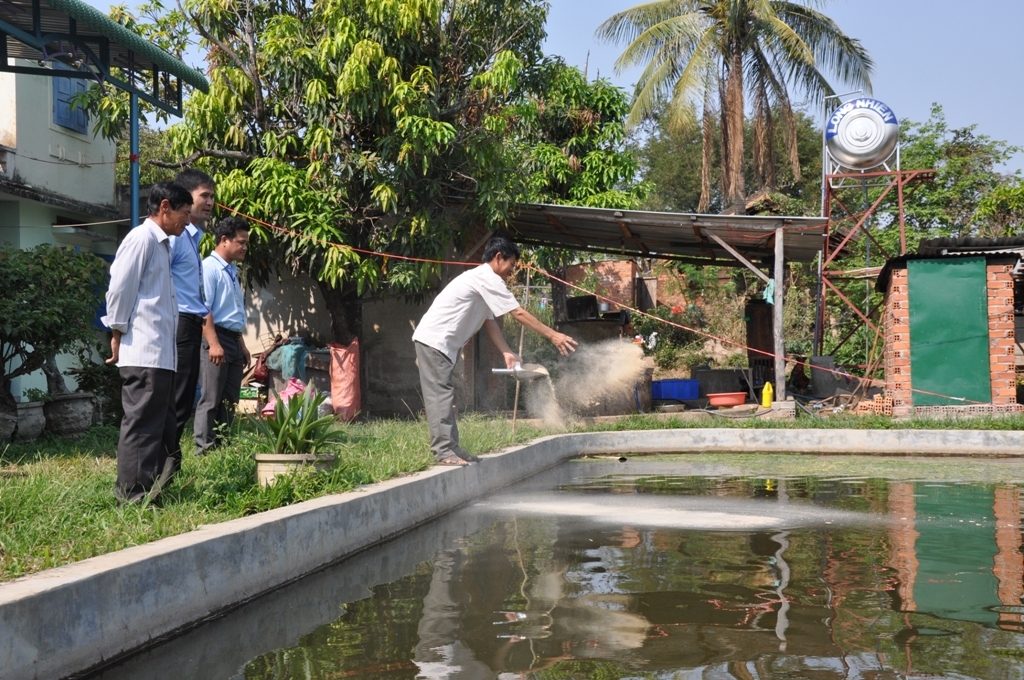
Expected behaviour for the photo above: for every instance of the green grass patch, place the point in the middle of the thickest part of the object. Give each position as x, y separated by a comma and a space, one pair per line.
57, 495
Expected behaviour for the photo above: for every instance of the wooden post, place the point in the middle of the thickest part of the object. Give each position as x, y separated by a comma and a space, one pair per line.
780, 345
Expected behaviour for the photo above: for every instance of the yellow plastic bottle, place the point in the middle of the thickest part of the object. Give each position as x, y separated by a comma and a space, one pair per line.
767, 393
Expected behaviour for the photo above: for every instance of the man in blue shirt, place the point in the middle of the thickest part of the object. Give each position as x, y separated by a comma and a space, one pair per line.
187, 273
224, 355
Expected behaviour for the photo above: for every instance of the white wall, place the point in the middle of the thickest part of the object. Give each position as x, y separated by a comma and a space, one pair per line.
50, 157
29, 139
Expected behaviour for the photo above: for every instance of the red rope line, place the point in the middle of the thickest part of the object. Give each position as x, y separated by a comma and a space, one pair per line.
548, 275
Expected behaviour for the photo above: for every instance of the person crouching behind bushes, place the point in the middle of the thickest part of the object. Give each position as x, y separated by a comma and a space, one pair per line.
472, 300
224, 355
142, 313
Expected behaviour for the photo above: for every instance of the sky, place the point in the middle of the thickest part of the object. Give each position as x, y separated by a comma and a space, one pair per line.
966, 56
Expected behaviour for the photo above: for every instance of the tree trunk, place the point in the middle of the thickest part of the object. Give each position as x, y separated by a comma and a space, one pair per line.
732, 156
54, 380
346, 310
707, 140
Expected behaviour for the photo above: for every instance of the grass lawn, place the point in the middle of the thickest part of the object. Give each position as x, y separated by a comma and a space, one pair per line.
57, 496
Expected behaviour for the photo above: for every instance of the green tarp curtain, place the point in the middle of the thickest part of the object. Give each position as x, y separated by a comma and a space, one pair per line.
949, 342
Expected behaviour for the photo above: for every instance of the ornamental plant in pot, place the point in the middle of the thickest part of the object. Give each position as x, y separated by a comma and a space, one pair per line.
297, 435
49, 301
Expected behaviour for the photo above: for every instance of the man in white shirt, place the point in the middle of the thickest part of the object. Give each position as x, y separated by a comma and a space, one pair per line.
472, 300
142, 312
224, 355
187, 272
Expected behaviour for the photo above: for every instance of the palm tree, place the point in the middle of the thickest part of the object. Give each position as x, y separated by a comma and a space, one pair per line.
706, 55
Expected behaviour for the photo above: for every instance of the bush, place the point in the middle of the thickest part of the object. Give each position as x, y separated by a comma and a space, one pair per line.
103, 380
674, 346
50, 297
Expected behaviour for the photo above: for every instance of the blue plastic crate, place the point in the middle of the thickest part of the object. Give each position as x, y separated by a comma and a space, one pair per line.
680, 390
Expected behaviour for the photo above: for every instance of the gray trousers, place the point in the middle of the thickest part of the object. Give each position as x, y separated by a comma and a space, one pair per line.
220, 386
438, 400
147, 429
190, 339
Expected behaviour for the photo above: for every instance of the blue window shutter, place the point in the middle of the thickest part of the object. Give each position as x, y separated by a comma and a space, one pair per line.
73, 118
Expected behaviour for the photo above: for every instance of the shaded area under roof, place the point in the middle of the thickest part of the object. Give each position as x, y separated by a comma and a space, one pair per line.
74, 33
683, 237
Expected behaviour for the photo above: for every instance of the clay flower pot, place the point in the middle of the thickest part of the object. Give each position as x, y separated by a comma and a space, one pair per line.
69, 415
271, 465
31, 420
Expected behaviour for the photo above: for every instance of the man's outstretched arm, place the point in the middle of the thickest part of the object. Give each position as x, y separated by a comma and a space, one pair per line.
561, 341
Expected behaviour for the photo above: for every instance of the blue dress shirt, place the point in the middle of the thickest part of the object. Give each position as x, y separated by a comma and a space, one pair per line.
187, 272
224, 293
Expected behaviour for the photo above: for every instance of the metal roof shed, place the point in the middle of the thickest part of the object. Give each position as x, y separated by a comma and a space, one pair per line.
92, 46
720, 240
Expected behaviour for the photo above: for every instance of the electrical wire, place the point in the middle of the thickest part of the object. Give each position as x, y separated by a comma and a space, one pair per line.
633, 310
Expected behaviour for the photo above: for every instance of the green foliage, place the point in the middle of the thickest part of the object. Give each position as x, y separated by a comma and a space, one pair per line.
36, 394
153, 145
671, 162
57, 504
674, 346
575, 142
705, 58
1002, 208
102, 379
297, 427
49, 302
969, 195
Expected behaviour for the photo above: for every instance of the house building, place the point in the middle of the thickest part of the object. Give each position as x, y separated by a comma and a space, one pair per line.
56, 175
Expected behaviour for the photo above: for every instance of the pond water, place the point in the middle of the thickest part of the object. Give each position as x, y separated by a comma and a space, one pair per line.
671, 567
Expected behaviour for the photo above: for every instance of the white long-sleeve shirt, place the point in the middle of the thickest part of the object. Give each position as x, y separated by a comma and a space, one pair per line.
141, 302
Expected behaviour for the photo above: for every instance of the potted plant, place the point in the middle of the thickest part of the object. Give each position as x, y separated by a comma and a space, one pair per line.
50, 297
298, 435
31, 417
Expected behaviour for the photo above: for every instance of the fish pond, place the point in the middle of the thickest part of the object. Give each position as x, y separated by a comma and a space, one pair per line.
673, 566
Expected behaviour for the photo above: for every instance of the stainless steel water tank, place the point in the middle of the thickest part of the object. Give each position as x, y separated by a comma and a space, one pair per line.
862, 133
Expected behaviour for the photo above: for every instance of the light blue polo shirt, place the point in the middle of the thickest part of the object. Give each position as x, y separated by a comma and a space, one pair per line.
187, 272
224, 293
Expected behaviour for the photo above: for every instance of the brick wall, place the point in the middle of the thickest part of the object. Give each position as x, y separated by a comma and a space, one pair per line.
897, 343
615, 279
1002, 365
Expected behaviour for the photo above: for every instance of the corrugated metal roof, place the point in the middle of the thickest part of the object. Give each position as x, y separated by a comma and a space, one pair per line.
128, 50
677, 236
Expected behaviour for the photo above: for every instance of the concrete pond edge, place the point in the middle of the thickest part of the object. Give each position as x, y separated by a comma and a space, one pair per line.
71, 619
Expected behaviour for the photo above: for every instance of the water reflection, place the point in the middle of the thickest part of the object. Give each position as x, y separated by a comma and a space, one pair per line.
927, 582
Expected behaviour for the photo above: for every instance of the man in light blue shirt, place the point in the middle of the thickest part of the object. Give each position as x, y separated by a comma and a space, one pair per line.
187, 273
224, 355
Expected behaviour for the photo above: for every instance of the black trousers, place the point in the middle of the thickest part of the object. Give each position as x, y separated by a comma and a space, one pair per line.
220, 386
147, 429
190, 339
